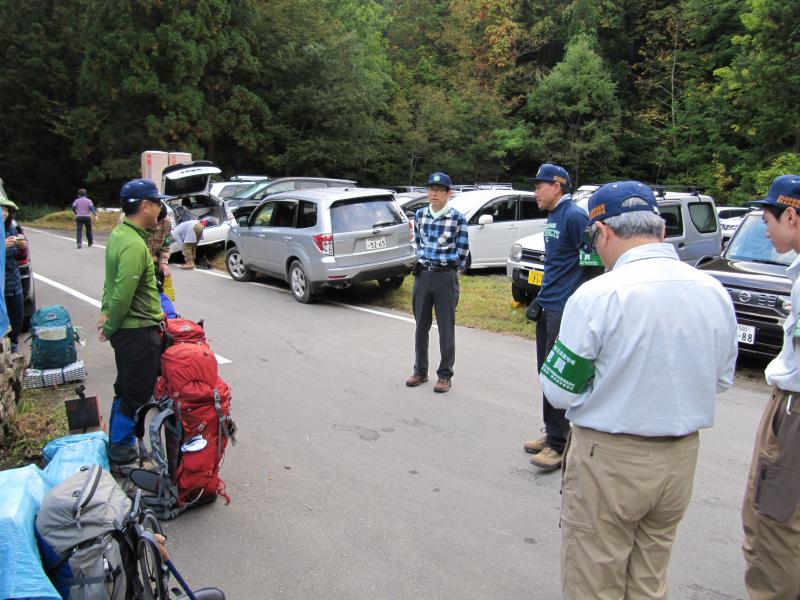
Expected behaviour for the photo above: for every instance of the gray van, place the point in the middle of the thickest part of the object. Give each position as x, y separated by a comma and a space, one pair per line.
691, 226
326, 237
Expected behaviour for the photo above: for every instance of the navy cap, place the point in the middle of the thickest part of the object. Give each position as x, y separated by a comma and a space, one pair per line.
619, 197
553, 174
442, 179
784, 192
140, 189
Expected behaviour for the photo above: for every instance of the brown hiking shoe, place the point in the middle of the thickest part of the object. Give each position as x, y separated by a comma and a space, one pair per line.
547, 459
442, 386
535, 446
416, 379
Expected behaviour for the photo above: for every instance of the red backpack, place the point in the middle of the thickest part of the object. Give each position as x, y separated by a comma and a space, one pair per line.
190, 432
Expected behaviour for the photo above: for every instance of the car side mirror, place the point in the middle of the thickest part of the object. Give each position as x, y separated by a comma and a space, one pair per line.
485, 220
411, 214
243, 221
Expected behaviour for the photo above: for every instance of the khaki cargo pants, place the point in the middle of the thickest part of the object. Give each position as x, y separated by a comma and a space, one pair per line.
190, 250
770, 512
623, 497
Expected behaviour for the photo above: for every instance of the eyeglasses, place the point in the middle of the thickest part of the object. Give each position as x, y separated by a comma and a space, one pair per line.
589, 238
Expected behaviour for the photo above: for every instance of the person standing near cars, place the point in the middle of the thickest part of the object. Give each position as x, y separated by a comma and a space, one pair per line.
130, 314
84, 213
13, 294
642, 352
771, 507
440, 232
563, 274
187, 235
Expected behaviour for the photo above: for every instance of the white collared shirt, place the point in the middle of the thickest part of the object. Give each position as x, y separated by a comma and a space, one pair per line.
783, 371
662, 336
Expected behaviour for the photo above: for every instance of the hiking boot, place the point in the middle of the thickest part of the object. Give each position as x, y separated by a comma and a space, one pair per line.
535, 446
547, 459
442, 386
416, 379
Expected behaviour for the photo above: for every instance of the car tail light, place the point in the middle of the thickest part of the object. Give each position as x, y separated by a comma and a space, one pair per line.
324, 243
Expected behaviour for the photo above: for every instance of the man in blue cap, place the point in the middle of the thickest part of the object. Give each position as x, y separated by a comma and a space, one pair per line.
642, 352
440, 232
771, 507
563, 234
130, 314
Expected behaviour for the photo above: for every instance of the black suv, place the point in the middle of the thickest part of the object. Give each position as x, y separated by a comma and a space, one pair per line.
248, 199
754, 274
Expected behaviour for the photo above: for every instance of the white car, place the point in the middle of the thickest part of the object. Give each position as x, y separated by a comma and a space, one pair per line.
729, 219
237, 183
188, 186
496, 219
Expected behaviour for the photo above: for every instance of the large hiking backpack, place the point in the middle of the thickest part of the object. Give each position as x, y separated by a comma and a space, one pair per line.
53, 338
188, 434
80, 529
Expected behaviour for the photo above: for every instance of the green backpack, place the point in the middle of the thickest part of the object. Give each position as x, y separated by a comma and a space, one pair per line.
53, 335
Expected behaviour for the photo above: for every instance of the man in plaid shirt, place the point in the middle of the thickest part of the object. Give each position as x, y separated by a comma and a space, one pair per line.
440, 232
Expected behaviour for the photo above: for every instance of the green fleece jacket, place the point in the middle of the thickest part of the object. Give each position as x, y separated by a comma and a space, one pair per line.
130, 295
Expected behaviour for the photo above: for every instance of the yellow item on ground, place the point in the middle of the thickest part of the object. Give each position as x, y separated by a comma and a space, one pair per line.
169, 290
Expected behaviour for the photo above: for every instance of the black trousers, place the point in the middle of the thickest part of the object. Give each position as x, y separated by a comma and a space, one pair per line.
137, 353
80, 223
15, 306
435, 290
556, 424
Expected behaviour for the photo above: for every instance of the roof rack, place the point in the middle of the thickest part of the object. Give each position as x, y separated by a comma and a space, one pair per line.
659, 190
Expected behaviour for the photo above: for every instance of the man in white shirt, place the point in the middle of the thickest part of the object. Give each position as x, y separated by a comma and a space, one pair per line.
642, 351
187, 235
770, 511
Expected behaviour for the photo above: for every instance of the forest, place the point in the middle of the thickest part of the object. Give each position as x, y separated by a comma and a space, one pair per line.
689, 92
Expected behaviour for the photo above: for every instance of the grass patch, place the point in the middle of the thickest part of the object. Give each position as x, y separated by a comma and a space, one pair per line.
32, 212
65, 219
40, 418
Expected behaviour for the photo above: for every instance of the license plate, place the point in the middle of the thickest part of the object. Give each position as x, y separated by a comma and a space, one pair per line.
746, 334
535, 277
376, 243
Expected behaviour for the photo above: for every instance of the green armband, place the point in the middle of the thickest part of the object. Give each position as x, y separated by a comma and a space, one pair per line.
567, 370
589, 260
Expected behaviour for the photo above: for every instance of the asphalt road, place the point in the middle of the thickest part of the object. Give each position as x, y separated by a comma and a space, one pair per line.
347, 485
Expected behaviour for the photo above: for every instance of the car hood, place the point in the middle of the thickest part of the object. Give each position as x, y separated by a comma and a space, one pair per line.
188, 178
532, 242
750, 274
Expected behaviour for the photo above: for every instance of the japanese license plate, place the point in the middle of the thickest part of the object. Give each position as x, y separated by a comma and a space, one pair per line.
746, 334
535, 277
376, 243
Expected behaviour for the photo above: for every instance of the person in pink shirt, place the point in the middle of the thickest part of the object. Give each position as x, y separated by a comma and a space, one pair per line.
84, 213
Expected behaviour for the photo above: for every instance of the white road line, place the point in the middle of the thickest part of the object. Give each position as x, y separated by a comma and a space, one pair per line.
63, 237
221, 360
222, 275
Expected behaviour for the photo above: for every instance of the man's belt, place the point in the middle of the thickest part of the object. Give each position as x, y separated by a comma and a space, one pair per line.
425, 267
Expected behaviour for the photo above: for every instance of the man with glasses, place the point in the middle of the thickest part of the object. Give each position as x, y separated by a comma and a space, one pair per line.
562, 276
642, 352
440, 232
771, 508
130, 314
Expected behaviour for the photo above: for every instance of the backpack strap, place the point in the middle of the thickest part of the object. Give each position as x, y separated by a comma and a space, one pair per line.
220, 418
156, 445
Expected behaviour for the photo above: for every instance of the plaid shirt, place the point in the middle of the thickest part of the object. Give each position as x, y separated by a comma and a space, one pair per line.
443, 241
159, 241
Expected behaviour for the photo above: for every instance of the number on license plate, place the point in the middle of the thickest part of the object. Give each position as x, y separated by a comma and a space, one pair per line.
746, 334
535, 277
376, 243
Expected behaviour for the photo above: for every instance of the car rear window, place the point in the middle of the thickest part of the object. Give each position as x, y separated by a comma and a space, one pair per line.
673, 220
702, 215
307, 216
361, 214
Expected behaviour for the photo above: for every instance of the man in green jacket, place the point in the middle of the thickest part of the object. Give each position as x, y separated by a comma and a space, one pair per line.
130, 315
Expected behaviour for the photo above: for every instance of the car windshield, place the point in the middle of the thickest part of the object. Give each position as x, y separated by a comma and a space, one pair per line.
252, 190
751, 243
364, 214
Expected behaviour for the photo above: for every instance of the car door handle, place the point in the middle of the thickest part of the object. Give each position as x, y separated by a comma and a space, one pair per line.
262, 235
287, 238
682, 245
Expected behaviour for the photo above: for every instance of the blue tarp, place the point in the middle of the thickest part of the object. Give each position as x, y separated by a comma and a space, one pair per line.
22, 575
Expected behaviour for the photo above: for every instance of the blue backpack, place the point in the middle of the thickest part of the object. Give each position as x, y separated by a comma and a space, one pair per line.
53, 335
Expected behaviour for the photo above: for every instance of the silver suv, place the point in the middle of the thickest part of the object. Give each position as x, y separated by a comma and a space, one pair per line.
326, 237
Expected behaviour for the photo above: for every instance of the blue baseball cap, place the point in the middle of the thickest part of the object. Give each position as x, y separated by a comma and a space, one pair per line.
140, 189
619, 197
553, 174
442, 179
784, 192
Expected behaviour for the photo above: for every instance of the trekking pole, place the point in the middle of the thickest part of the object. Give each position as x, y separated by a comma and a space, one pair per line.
163, 549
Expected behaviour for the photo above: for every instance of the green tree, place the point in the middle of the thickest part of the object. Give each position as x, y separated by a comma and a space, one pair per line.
574, 114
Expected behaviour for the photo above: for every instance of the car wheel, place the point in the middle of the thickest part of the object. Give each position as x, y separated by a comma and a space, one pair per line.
391, 283
236, 267
299, 283
520, 295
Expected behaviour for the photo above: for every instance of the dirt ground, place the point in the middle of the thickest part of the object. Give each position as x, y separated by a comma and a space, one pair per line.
40, 417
